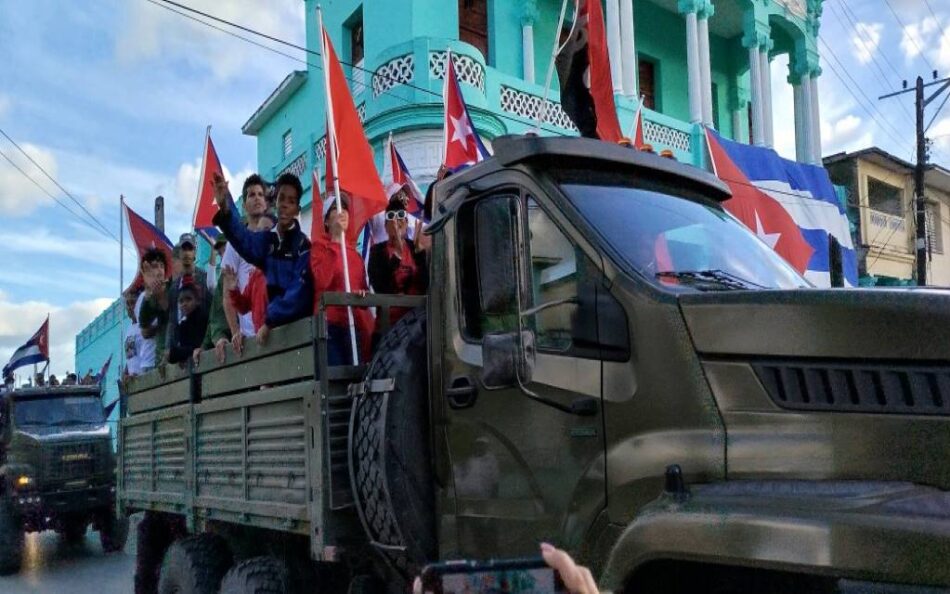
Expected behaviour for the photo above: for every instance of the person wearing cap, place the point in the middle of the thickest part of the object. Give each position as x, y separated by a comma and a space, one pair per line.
256, 196
326, 263
283, 254
187, 254
398, 266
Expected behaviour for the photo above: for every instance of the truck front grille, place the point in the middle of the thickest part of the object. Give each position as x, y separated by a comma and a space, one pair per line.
70, 461
858, 387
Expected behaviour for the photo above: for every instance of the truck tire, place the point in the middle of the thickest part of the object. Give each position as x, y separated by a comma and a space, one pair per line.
194, 565
153, 535
258, 575
73, 529
11, 540
113, 531
390, 463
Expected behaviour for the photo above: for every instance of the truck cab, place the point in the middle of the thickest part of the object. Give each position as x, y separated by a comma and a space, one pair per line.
57, 468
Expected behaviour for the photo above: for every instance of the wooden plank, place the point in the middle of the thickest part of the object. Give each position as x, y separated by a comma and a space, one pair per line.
283, 511
293, 336
288, 392
148, 417
162, 396
156, 378
278, 368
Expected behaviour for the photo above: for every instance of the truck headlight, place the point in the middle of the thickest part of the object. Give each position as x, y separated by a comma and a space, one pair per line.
24, 481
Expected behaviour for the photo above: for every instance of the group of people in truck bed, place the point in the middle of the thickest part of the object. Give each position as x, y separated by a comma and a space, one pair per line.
271, 273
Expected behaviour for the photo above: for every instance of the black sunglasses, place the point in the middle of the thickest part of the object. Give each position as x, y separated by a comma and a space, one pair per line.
394, 215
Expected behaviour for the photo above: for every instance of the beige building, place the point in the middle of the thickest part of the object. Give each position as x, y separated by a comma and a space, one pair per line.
881, 196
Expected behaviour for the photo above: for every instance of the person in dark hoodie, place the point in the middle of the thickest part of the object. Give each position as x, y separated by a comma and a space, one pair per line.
189, 332
283, 254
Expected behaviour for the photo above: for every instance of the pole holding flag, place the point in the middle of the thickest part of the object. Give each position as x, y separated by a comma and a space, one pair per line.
332, 147
33, 351
555, 50
205, 207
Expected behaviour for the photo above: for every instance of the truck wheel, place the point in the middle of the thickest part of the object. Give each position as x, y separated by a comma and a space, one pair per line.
113, 531
11, 540
73, 529
194, 565
153, 535
390, 463
258, 575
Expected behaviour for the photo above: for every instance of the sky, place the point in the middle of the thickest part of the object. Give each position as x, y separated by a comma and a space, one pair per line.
112, 97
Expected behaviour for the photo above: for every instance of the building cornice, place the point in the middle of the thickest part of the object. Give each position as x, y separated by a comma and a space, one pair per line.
274, 102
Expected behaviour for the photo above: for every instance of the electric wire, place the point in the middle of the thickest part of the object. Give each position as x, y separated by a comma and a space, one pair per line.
920, 51
854, 19
58, 185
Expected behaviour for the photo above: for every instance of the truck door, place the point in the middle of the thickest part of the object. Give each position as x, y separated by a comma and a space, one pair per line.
523, 470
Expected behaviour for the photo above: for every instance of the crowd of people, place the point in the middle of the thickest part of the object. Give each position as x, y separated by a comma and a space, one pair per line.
271, 273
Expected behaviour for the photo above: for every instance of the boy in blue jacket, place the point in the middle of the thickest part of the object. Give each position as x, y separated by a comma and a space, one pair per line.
283, 253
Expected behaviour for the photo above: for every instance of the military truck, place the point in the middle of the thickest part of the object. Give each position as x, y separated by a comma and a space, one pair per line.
606, 360
57, 469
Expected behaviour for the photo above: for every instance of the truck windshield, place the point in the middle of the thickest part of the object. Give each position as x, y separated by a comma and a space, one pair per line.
679, 242
69, 410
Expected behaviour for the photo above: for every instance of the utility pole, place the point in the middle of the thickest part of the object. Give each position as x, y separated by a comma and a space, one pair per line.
920, 203
160, 213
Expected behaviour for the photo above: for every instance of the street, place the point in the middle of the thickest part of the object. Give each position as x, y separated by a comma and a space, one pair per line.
49, 565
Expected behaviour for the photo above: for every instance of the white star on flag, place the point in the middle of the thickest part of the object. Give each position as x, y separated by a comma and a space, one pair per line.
460, 131
770, 239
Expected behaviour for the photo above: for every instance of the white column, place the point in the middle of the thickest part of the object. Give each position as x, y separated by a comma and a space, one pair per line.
798, 97
527, 49
613, 44
808, 136
704, 70
629, 49
816, 120
765, 71
694, 69
756, 91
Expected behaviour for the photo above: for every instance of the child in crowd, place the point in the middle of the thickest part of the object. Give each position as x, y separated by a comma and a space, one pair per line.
189, 332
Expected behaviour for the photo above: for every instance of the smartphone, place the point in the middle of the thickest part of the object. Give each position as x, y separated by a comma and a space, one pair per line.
506, 576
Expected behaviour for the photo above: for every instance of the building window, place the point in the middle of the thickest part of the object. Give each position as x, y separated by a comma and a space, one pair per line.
288, 143
354, 33
934, 225
647, 78
885, 198
473, 24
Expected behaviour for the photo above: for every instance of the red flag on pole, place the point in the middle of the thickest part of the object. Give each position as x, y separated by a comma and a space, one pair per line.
587, 91
146, 235
347, 145
205, 207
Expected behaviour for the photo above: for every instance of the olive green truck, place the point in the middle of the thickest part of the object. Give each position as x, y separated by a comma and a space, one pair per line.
57, 469
606, 361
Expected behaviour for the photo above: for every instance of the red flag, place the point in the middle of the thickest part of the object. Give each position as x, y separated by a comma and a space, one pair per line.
205, 207
347, 145
462, 145
587, 91
758, 211
146, 235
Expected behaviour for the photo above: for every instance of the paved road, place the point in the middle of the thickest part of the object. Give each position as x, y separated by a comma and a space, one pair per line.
51, 566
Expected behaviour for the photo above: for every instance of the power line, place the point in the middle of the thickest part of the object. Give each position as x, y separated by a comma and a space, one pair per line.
853, 18
910, 37
58, 185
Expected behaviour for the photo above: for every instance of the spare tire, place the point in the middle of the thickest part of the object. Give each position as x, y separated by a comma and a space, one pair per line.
390, 462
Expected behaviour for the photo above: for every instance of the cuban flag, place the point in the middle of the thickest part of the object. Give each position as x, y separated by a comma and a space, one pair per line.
462, 145
35, 350
790, 206
205, 207
402, 177
101, 376
146, 235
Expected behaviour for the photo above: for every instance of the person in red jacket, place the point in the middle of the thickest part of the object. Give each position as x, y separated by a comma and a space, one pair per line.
253, 299
326, 264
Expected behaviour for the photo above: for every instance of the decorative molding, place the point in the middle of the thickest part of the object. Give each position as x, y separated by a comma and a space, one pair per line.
396, 72
527, 106
320, 146
660, 135
298, 166
468, 70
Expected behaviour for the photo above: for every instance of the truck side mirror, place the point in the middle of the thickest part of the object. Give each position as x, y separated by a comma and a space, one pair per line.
507, 359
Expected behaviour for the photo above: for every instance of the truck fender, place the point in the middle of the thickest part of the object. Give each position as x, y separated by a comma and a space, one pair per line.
881, 531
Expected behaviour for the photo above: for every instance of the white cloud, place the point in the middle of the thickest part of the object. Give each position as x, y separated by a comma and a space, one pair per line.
917, 37
18, 195
19, 320
866, 40
150, 32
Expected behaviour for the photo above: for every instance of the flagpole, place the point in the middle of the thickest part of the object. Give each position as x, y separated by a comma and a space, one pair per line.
122, 282
445, 105
331, 145
543, 108
201, 176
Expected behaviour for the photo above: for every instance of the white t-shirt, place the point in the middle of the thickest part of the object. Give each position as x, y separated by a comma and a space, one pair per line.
133, 340
244, 269
146, 349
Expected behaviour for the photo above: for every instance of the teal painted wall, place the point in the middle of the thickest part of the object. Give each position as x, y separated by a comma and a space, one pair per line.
95, 343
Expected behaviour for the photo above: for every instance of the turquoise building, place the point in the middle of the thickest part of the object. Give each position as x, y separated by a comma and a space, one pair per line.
95, 343
693, 62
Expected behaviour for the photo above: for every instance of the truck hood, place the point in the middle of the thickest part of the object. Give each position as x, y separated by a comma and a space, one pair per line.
886, 324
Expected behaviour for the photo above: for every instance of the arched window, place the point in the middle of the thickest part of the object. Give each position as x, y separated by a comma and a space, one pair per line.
473, 24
